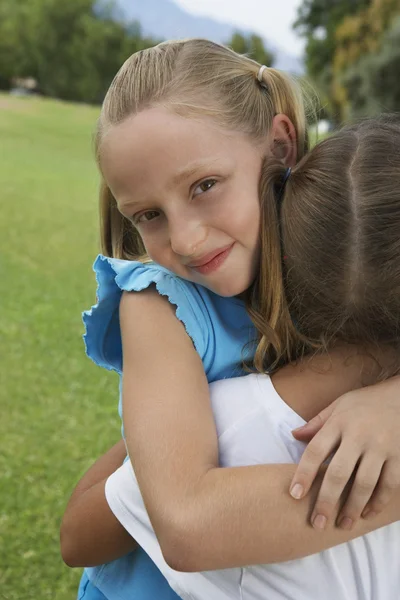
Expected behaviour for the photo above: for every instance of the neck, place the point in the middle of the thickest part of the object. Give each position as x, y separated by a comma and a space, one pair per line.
313, 383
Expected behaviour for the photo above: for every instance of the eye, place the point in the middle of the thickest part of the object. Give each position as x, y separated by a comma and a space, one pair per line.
204, 186
147, 216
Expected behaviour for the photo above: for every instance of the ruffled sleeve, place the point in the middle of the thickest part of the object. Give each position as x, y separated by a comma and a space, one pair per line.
102, 329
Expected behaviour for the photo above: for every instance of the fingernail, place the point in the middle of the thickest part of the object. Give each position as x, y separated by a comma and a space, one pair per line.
345, 523
369, 514
298, 429
319, 522
297, 491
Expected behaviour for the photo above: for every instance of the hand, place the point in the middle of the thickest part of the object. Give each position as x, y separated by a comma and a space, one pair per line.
361, 431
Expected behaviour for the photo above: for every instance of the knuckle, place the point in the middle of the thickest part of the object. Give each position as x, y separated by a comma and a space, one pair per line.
314, 452
359, 438
377, 506
380, 500
352, 511
305, 468
325, 505
305, 479
390, 484
336, 475
364, 484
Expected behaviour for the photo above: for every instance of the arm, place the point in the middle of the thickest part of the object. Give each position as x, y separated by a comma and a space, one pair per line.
124, 497
90, 534
204, 517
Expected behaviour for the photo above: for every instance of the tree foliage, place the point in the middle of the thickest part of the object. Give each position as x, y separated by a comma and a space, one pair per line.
253, 46
367, 60
371, 84
352, 54
317, 21
73, 48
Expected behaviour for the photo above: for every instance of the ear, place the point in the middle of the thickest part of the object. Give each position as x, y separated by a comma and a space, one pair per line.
284, 140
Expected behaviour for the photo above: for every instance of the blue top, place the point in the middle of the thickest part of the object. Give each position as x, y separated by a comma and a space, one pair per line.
222, 333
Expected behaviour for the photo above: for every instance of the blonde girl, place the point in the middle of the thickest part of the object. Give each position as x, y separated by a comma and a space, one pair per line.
182, 136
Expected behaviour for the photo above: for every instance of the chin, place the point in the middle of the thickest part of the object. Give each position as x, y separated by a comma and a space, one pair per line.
230, 290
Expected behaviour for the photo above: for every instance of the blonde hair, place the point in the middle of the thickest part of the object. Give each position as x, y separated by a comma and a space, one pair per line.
332, 240
193, 77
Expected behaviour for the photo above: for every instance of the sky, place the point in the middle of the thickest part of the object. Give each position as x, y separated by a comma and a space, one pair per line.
271, 18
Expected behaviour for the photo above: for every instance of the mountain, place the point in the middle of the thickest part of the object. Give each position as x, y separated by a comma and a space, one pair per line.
163, 19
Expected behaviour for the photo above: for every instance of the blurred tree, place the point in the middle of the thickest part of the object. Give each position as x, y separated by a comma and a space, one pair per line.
317, 21
253, 46
366, 62
70, 48
371, 84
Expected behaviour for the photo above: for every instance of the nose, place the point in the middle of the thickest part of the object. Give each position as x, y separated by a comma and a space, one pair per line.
187, 236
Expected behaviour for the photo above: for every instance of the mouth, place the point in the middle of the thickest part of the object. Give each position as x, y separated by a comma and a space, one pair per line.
212, 261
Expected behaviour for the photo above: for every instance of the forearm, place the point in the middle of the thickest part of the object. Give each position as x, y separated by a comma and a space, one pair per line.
90, 534
231, 517
245, 515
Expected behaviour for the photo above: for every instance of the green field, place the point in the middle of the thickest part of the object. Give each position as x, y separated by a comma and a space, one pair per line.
59, 411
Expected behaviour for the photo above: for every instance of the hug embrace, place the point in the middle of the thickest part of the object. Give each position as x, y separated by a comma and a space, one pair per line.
249, 299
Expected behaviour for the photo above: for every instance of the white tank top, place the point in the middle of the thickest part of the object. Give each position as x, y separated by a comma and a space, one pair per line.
254, 427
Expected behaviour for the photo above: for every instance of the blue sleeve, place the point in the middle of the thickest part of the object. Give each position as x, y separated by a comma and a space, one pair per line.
102, 329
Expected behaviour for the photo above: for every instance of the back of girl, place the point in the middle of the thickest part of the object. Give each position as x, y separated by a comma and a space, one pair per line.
337, 225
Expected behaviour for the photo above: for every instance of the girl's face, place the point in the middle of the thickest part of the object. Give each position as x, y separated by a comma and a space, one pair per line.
191, 189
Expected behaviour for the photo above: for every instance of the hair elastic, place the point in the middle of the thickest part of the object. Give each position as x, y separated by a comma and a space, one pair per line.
283, 185
260, 73
287, 175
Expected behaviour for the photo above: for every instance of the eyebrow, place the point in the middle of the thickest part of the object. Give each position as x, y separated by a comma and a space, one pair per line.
191, 170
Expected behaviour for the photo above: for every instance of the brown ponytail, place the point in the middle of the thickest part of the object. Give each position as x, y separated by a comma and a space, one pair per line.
339, 230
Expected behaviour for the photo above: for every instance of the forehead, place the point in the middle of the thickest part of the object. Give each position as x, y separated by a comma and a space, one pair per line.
159, 143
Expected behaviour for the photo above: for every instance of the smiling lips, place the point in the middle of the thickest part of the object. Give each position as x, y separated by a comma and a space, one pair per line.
212, 261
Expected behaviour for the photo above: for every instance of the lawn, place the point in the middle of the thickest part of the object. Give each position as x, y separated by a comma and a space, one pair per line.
59, 411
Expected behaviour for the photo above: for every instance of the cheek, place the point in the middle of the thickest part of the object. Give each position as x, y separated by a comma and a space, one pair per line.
149, 243
155, 247
245, 219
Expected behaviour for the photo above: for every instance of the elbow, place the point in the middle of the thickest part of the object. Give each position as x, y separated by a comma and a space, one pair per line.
69, 547
180, 559
69, 558
181, 547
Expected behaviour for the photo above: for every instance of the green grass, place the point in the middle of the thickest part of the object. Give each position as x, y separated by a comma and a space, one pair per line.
58, 410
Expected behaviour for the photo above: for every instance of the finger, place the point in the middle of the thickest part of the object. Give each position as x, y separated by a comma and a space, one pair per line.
388, 482
317, 451
310, 429
335, 479
365, 481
